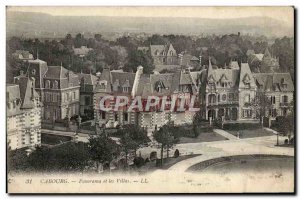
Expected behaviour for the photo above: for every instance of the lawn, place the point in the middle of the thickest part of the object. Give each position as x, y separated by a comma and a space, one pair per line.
203, 137
54, 139
250, 133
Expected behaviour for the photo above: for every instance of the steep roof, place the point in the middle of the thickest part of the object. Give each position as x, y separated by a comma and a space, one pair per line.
56, 72
246, 76
157, 48
27, 93
274, 81
89, 79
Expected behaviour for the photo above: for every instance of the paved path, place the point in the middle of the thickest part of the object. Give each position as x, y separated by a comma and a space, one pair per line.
259, 145
225, 134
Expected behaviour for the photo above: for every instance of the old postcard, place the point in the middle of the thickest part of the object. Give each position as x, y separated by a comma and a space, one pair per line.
150, 99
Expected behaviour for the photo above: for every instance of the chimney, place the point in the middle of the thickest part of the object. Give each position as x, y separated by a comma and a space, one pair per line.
138, 74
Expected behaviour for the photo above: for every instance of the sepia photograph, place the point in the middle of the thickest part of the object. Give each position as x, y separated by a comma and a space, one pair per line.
145, 100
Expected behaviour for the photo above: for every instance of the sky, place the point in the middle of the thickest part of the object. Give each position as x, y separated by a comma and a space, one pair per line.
285, 14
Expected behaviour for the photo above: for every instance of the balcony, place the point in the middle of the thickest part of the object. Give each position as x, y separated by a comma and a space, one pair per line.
284, 104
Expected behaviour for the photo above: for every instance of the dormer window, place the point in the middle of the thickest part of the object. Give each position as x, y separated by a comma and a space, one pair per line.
171, 53
102, 84
164, 53
33, 72
125, 89
159, 85
116, 85
47, 85
156, 52
55, 85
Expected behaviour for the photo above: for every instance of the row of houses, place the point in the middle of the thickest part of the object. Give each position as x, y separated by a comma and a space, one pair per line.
222, 93
48, 94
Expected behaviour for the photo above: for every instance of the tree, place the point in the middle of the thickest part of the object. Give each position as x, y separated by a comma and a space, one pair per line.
196, 123
138, 58
134, 133
165, 137
102, 149
260, 105
128, 144
287, 126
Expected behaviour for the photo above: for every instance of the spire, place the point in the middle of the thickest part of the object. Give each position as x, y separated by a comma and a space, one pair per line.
37, 54
210, 69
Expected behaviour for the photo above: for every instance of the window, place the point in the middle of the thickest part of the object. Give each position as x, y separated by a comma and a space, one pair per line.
103, 115
47, 84
273, 101
125, 89
285, 99
171, 53
74, 96
54, 97
247, 113
164, 53
125, 117
116, 116
87, 100
247, 98
231, 96
33, 72
67, 96
55, 85
164, 60
102, 86
223, 97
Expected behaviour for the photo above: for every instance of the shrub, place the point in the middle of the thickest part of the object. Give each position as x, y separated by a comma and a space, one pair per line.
286, 141
139, 161
147, 160
153, 155
176, 153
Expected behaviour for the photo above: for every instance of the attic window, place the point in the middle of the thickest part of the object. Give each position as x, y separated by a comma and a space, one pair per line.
33, 72
164, 53
156, 52
171, 53
55, 85
159, 86
47, 84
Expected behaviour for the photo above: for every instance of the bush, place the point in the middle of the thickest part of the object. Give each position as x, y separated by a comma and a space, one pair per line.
286, 141
176, 153
153, 155
147, 160
139, 161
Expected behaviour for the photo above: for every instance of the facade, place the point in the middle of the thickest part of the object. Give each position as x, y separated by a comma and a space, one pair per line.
87, 86
228, 92
61, 93
180, 85
23, 114
58, 89
279, 88
161, 54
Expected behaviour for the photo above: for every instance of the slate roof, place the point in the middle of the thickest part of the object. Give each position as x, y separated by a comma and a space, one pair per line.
245, 72
274, 82
27, 92
160, 49
89, 79
65, 77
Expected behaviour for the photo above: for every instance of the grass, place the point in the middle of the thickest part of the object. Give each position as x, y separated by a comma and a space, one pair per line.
203, 137
250, 133
54, 139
